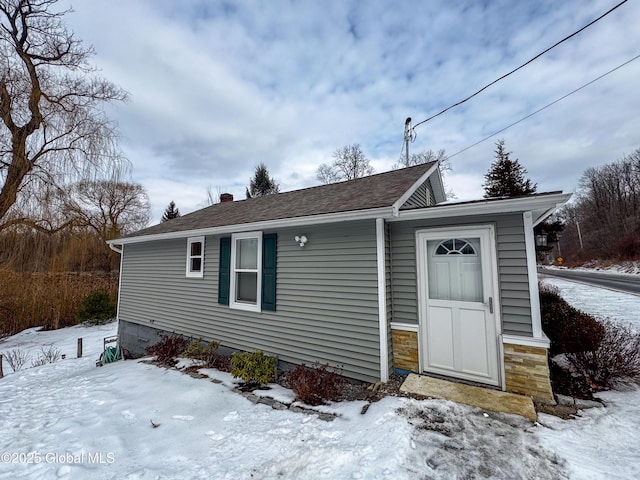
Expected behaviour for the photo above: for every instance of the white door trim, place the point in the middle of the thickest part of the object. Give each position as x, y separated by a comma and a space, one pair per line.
486, 230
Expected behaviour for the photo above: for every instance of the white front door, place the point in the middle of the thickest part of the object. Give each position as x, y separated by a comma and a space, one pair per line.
456, 271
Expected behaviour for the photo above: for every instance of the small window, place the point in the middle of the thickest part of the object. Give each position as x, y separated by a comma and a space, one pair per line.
246, 271
455, 246
195, 257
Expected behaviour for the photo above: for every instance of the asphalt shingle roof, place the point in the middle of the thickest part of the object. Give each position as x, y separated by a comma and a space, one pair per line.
374, 191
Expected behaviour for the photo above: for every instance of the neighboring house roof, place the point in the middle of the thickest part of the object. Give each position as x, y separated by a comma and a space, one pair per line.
366, 193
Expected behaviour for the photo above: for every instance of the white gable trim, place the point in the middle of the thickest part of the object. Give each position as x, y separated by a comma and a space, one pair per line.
406, 195
487, 207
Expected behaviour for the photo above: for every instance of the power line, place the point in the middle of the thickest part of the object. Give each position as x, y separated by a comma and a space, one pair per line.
524, 64
546, 106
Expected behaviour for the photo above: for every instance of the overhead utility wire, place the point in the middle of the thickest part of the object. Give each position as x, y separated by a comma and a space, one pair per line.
523, 65
545, 107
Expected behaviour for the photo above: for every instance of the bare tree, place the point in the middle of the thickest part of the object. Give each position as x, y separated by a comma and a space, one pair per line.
51, 121
424, 157
328, 174
427, 156
110, 208
349, 163
212, 197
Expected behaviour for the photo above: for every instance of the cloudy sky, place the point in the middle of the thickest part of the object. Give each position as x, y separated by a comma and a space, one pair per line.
217, 87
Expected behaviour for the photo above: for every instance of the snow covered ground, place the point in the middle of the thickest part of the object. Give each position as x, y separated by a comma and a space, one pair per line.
72, 420
601, 302
622, 268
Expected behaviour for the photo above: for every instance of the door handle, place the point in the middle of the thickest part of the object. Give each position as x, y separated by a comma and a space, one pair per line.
490, 304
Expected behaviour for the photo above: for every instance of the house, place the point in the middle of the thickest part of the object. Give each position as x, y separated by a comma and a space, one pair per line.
375, 274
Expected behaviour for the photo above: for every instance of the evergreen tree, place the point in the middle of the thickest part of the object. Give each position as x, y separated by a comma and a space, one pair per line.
506, 177
262, 184
170, 212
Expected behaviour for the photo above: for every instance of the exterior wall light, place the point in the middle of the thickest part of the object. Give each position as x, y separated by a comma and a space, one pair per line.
301, 240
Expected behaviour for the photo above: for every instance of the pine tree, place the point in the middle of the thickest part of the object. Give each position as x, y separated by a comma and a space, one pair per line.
506, 177
262, 184
170, 212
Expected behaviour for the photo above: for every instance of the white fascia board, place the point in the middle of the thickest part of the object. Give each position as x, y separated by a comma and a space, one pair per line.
487, 207
406, 195
370, 214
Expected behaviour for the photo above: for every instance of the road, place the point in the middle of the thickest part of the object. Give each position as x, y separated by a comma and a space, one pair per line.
621, 283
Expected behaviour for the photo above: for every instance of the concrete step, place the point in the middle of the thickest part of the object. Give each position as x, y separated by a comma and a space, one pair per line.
493, 400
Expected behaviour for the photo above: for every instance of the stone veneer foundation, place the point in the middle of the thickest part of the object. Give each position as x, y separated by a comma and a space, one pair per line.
526, 368
405, 350
526, 371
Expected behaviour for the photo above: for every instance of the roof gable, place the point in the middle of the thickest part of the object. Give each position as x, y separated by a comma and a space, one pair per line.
375, 191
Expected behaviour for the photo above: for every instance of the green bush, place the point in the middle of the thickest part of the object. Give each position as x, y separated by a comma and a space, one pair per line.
97, 308
569, 329
254, 368
206, 352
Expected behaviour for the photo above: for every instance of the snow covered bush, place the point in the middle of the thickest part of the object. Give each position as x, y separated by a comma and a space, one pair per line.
255, 368
16, 359
317, 384
617, 357
168, 348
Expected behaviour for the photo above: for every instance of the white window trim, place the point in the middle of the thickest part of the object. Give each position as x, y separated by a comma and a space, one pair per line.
257, 307
195, 273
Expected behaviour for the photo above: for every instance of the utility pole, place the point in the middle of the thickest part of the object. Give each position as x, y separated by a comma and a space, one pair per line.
579, 235
408, 136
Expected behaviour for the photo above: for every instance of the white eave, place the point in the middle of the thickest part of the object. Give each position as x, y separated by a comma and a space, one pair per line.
540, 206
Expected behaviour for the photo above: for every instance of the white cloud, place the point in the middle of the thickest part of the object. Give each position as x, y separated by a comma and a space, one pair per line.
218, 87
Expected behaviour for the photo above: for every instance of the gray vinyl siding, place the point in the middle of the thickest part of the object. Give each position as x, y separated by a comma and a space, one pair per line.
512, 269
422, 197
327, 299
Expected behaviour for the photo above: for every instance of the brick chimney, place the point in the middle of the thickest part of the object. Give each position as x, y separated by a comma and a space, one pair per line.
226, 197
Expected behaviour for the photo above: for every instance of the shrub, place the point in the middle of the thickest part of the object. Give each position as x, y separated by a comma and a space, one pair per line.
617, 357
50, 355
97, 308
254, 368
168, 348
206, 352
569, 329
16, 359
316, 384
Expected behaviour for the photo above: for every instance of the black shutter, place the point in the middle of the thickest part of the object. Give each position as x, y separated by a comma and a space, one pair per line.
224, 271
269, 241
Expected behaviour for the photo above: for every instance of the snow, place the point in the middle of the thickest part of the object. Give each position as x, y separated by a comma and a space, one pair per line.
602, 443
623, 268
73, 420
134, 420
601, 302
